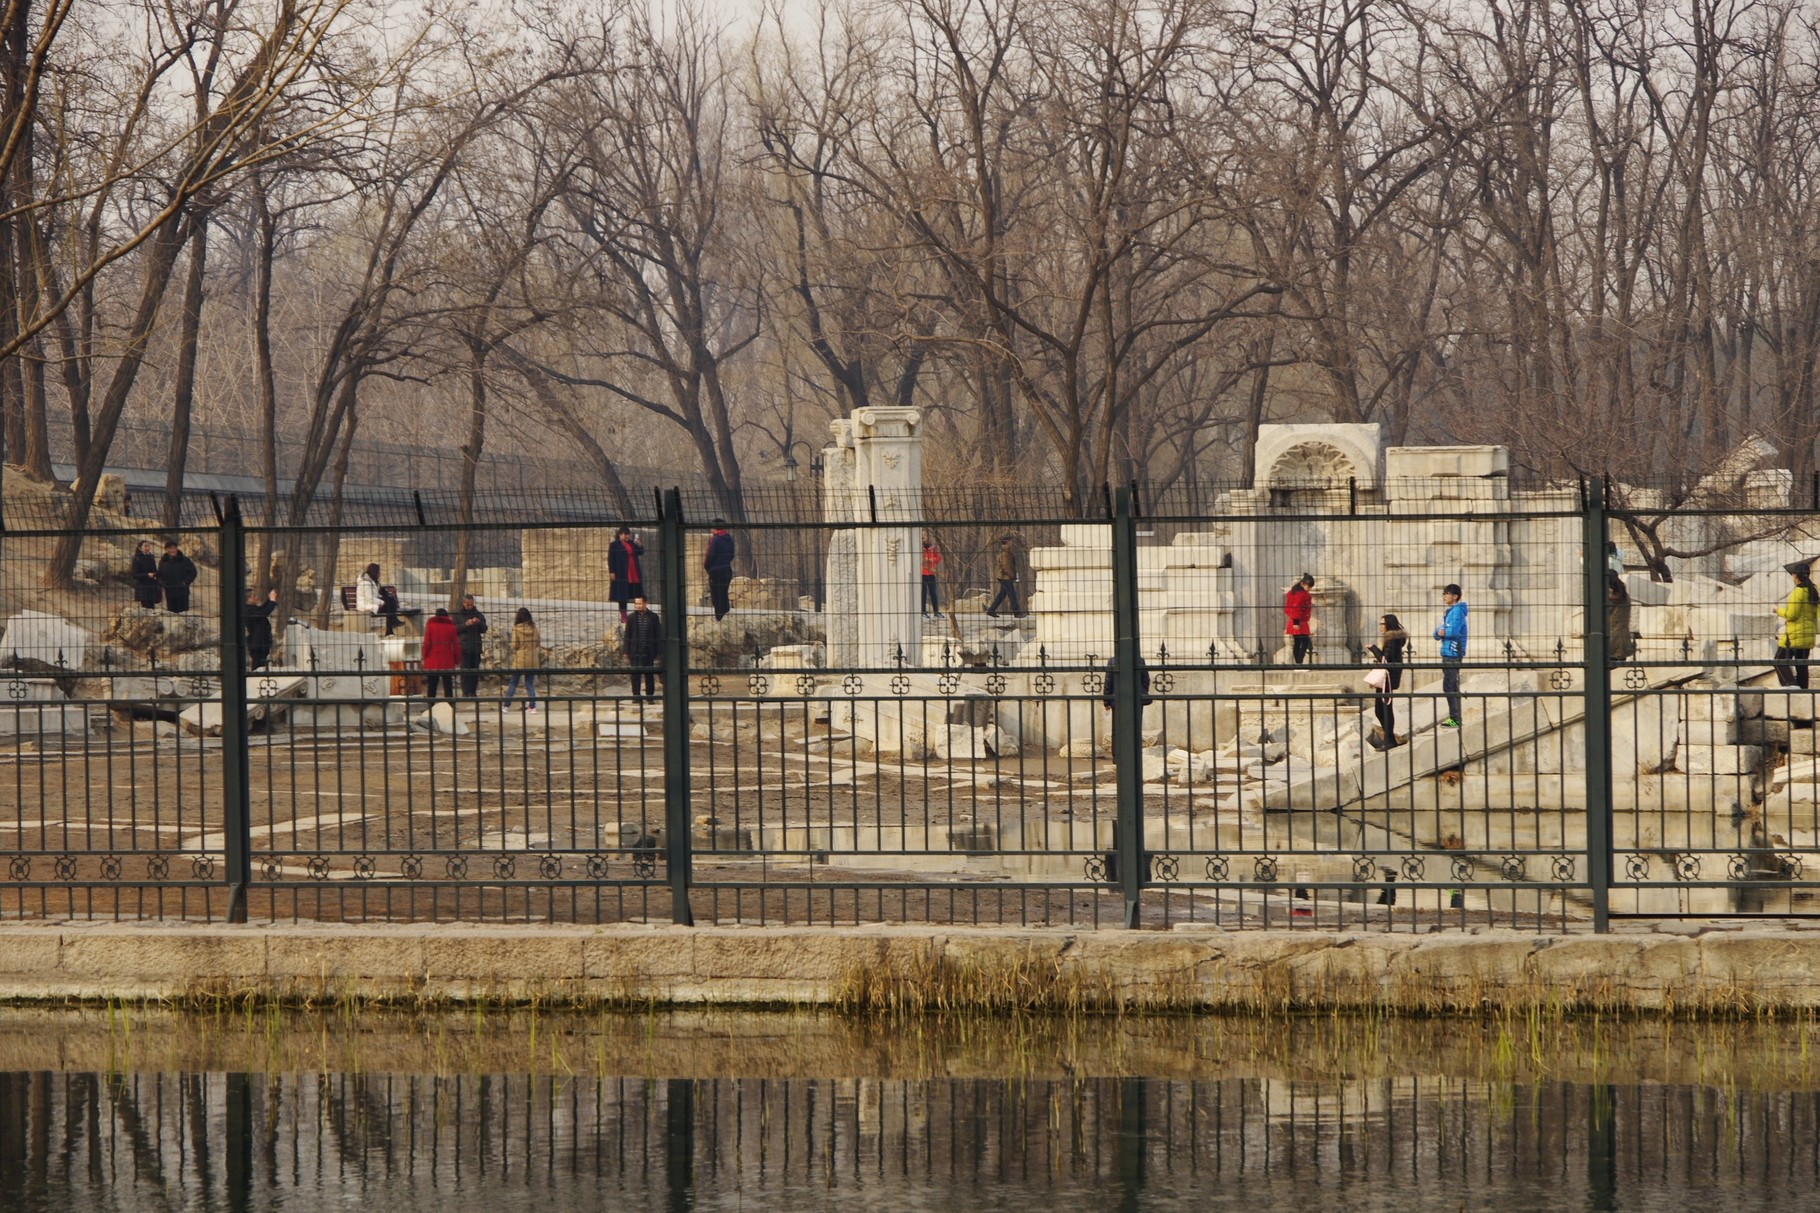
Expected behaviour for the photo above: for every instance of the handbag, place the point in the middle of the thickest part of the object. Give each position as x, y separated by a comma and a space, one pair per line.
1377, 678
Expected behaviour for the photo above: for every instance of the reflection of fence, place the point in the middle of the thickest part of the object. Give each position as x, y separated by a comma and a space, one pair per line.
892, 757
680, 1143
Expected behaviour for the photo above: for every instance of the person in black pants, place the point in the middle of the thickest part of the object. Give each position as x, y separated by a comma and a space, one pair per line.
176, 572
932, 562
1004, 571
718, 564
1388, 652
644, 646
625, 569
256, 618
146, 589
1110, 698
471, 627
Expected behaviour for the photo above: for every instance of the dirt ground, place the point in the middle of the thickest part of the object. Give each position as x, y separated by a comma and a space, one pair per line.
539, 817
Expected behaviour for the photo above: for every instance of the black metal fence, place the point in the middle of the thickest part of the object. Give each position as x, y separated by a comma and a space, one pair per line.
854, 724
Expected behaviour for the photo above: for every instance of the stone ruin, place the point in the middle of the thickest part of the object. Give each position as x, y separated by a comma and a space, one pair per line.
873, 472
1247, 733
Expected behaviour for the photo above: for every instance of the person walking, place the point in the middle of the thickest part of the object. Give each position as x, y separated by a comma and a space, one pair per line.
471, 626
1004, 571
644, 646
146, 589
527, 646
1388, 653
1298, 615
380, 601
1799, 624
256, 621
1109, 699
441, 653
932, 560
1452, 635
1620, 641
176, 573
626, 569
718, 564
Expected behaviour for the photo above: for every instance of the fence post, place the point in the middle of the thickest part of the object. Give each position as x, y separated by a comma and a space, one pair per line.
678, 843
1127, 709
1597, 679
235, 794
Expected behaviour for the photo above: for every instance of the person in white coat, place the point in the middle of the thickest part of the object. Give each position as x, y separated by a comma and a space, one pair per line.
371, 598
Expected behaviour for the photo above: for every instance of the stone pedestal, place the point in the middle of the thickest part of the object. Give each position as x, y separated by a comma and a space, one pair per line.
873, 475
44, 640
571, 563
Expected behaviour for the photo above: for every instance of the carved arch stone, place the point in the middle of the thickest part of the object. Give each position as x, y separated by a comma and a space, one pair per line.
1289, 456
1311, 463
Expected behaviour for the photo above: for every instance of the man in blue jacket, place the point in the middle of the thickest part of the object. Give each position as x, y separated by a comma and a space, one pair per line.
1452, 635
718, 564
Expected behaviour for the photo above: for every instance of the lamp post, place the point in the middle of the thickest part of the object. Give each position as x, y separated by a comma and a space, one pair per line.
790, 463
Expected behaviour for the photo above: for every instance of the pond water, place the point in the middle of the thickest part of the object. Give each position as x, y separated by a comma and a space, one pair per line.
265, 1112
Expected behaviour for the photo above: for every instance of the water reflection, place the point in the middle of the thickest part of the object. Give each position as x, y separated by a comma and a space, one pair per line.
209, 1140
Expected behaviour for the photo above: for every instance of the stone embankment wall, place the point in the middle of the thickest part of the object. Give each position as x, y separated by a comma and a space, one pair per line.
1720, 971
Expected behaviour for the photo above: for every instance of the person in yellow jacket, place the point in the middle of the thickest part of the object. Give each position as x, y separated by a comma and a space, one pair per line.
1799, 616
527, 656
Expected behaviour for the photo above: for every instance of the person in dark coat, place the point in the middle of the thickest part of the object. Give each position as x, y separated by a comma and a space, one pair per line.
1620, 641
145, 576
1004, 571
176, 573
644, 646
718, 564
1388, 652
626, 570
441, 652
1112, 682
471, 626
256, 618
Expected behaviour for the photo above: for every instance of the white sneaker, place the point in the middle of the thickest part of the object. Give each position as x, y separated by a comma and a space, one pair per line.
532, 708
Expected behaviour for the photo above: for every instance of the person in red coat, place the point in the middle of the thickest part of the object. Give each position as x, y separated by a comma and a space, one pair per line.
625, 568
441, 652
932, 559
1298, 612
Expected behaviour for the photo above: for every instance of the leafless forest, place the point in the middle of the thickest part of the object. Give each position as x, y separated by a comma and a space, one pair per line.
1093, 239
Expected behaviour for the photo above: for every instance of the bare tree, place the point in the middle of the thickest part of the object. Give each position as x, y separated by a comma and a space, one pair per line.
647, 218
267, 60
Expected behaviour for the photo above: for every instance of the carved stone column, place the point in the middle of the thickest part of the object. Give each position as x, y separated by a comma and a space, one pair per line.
888, 467
840, 606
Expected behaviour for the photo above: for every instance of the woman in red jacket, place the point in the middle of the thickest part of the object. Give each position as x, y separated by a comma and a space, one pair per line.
1298, 613
932, 559
441, 652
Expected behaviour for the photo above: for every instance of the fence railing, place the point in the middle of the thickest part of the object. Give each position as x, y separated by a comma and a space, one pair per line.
845, 726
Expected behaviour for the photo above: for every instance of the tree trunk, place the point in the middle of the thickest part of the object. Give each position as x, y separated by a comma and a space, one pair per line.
325, 576
268, 396
1254, 412
15, 59
470, 463
161, 256
183, 399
